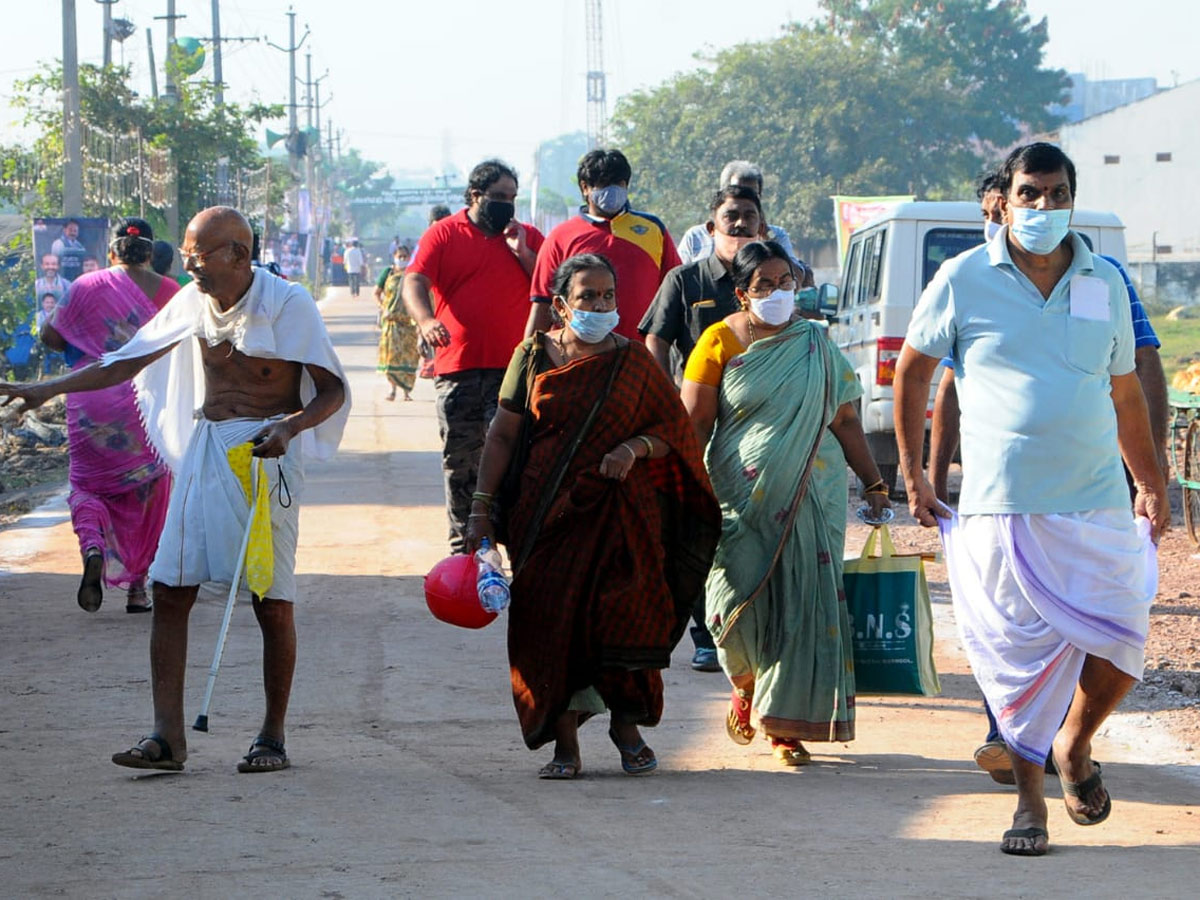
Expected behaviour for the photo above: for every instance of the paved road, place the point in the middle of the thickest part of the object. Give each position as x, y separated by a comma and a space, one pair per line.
410, 778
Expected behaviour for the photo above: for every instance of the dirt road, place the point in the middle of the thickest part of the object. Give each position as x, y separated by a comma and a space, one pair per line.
410, 778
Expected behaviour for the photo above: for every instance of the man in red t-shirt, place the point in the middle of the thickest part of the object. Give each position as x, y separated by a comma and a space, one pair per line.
468, 291
636, 243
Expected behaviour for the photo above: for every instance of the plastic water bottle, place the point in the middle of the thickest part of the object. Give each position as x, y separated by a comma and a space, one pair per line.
491, 583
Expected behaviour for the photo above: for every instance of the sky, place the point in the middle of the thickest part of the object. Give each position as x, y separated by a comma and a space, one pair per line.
436, 86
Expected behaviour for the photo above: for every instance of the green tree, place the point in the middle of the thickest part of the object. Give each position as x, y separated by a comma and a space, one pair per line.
197, 131
835, 106
989, 52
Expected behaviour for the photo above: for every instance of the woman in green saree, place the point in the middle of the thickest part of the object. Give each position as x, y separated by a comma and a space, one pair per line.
775, 397
398, 355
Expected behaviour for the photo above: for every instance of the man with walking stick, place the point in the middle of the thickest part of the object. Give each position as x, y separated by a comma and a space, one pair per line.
269, 374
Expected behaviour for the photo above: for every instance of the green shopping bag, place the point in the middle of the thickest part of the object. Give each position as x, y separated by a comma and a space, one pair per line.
891, 621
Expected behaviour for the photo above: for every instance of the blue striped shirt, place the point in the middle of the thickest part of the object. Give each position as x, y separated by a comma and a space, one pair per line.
1143, 331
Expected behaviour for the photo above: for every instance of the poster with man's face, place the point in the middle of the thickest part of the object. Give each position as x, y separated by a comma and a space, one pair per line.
66, 248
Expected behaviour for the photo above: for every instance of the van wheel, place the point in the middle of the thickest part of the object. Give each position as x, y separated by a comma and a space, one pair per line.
888, 472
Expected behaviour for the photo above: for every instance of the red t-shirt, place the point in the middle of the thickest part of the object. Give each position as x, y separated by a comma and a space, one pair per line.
636, 243
480, 292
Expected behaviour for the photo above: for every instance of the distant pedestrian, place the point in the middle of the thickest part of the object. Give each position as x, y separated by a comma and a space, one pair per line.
398, 335
119, 486
636, 243
468, 291
355, 262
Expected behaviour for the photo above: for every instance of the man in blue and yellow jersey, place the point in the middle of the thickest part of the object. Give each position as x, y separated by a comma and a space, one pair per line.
636, 243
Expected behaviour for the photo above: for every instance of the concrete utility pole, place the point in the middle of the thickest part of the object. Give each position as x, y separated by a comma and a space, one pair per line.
108, 36
308, 90
218, 82
72, 134
153, 70
293, 138
169, 89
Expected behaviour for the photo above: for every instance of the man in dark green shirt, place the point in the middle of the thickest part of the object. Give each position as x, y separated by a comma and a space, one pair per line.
696, 295
690, 299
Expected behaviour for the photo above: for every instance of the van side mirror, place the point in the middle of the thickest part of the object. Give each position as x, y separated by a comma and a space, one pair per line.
827, 300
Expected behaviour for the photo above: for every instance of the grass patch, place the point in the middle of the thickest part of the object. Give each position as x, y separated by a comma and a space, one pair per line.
1180, 342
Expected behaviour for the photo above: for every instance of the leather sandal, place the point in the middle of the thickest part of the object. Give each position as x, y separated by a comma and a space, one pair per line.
737, 722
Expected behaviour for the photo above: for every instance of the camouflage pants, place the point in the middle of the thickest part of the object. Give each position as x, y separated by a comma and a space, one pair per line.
466, 403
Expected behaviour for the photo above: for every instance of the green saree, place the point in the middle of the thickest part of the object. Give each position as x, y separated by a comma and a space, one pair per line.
398, 355
774, 601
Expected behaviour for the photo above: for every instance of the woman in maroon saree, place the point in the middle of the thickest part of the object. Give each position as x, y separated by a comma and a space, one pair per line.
119, 487
613, 529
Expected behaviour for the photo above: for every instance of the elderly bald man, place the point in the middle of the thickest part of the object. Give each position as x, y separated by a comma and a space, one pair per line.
239, 355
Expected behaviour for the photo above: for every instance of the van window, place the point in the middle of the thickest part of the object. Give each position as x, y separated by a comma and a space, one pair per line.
853, 275
873, 267
942, 244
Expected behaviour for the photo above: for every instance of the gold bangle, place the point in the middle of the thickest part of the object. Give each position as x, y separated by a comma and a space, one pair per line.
649, 445
632, 452
883, 493
478, 516
873, 485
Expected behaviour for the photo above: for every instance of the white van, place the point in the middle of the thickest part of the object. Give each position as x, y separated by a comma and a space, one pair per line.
888, 263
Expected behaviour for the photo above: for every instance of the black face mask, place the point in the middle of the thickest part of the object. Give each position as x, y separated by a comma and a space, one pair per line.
497, 213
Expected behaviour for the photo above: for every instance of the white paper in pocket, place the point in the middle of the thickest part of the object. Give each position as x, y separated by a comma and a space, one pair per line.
1089, 298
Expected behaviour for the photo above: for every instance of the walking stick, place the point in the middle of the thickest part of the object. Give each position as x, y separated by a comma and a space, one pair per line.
201, 723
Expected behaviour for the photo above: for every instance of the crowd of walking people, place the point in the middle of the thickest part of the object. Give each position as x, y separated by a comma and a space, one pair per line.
657, 435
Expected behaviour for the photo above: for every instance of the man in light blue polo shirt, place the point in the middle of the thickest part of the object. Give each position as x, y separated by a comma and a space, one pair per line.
1051, 578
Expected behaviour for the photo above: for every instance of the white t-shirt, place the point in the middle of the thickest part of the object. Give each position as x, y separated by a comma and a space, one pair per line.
354, 259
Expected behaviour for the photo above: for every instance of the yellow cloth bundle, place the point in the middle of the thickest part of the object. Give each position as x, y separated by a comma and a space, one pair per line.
260, 549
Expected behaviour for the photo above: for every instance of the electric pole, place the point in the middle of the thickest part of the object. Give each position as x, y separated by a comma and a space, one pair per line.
108, 36
293, 139
171, 63
218, 82
153, 71
72, 136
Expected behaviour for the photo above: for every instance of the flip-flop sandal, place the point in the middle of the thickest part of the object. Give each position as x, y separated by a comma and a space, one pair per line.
737, 722
1082, 789
137, 758
629, 756
558, 771
144, 606
264, 747
91, 592
993, 758
1033, 832
790, 753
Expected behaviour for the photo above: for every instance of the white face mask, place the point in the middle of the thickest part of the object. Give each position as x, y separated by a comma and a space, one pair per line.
774, 309
991, 229
1039, 231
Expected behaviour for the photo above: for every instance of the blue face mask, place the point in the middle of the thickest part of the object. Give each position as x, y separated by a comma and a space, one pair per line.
592, 327
1039, 231
610, 200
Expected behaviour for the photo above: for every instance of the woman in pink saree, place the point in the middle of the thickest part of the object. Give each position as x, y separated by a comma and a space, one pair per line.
119, 486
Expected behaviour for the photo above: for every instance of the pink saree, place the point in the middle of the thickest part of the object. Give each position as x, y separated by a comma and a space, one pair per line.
119, 487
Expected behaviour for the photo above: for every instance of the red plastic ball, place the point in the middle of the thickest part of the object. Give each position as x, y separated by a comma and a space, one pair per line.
451, 595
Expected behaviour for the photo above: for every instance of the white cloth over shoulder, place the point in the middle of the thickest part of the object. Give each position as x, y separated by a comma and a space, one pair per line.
274, 319
209, 511
1034, 595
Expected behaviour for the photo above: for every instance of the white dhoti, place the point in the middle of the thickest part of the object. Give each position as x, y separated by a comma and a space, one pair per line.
209, 511
1034, 595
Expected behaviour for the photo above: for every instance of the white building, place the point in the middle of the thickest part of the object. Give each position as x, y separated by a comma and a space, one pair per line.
1142, 161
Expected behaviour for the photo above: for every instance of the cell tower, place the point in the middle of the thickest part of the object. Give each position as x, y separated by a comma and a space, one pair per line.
597, 95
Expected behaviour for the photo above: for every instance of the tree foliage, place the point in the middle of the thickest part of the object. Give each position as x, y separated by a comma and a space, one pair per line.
880, 96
